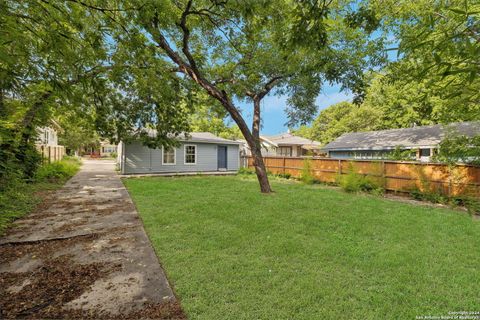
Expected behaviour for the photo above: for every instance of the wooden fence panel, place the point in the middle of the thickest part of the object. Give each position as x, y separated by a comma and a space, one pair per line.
394, 175
51, 153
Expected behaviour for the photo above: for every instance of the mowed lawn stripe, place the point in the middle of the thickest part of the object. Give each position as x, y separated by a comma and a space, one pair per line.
306, 251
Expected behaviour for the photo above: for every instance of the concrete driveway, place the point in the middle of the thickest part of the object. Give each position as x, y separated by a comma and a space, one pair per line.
84, 253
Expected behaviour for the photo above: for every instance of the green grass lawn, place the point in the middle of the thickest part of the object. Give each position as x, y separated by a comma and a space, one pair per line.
306, 252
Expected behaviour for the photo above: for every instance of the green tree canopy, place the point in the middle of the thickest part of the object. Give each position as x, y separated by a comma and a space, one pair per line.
341, 118
245, 50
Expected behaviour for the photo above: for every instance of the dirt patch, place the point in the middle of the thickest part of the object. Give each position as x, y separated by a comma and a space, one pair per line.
36, 249
123, 207
43, 215
163, 311
71, 226
42, 292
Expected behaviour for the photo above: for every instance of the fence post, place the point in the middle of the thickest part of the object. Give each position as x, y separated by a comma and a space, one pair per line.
340, 167
384, 175
449, 181
284, 166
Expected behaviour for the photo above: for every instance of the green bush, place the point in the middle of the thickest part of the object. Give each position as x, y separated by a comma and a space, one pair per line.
245, 170
75, 159
472, 204
307, 172
355, 182
285, 175
431, 196
57, 171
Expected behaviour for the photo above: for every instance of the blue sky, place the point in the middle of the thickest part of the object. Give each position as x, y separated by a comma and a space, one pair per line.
273, 114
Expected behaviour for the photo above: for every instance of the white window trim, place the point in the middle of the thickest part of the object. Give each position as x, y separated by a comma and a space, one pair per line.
185, 154
174, 157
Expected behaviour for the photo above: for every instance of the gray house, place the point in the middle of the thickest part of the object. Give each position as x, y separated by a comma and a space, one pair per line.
423, 141
200, 152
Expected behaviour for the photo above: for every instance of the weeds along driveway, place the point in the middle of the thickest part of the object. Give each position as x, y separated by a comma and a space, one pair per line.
83, 253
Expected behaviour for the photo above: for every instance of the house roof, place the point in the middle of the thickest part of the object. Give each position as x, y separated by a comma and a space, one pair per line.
208, 137
424, 136
288, 139
205, 137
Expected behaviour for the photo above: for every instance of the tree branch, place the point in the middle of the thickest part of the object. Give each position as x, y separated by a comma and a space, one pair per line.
186, 36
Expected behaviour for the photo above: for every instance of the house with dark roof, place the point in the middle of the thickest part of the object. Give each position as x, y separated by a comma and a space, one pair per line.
196, 152
286, 145
422, 140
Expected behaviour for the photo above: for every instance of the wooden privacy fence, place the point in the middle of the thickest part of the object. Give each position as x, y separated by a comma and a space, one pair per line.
52, 153
393, 175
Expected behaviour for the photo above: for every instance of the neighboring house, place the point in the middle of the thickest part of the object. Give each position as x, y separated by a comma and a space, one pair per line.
47, 142
200, 152
423, 141
107, 149
48, 136
286, 145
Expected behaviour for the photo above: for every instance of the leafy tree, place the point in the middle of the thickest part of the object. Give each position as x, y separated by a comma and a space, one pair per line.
245, 50
48, 53
439, 45
342, 118
405, 102
78, 131
400, 153
456, 148
210, 116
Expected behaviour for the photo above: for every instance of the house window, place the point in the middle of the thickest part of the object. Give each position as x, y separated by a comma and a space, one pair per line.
424, 152
284, 151
109, 149
168, 156
190, 154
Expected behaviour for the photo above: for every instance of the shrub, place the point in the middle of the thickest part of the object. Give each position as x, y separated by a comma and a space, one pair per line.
471, 203
307, 172
75, 159
113, 155
245, 170
431, 196
399, 154
57, 171
287, 175
355, 182
284, 175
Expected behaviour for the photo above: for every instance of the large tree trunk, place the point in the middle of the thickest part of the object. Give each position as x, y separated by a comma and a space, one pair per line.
260, 169
256, 148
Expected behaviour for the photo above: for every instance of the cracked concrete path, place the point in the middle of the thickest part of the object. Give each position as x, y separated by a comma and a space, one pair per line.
84, 252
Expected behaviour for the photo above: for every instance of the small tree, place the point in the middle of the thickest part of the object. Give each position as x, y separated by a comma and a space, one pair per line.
400, 153
459, 148
307, 172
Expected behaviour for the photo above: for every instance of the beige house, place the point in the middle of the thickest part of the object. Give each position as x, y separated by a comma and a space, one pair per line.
47, 142
107, 149
286, 145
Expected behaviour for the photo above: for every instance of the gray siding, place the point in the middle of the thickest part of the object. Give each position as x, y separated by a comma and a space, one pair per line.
141, 159
233, 157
